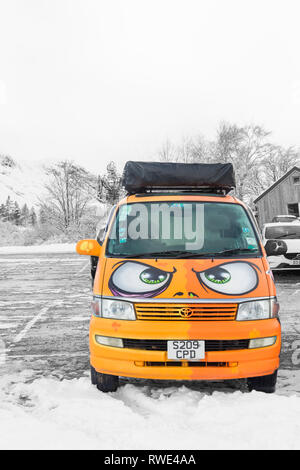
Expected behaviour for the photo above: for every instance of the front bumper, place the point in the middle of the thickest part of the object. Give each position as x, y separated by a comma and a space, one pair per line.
281, 263
217, 365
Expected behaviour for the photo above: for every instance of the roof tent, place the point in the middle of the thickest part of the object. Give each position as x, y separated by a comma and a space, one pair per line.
142, 177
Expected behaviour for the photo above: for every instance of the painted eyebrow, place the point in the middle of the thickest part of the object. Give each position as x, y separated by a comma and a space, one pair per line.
228, 262
114, 288
121, 263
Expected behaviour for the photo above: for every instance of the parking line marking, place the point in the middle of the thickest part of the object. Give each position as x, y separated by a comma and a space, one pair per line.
82, 269
30, 324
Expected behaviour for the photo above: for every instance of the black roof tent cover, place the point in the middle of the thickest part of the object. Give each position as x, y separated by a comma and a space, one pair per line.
139, 177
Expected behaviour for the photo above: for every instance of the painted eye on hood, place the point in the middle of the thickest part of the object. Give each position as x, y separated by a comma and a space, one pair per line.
233, 278
218, 275
137, 279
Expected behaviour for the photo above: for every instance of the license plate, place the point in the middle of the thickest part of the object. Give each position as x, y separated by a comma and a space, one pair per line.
296, 262
186, 350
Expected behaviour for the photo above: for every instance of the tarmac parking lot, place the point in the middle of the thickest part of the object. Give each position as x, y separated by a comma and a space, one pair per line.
45, 310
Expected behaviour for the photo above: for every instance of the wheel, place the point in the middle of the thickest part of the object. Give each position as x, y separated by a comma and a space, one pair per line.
104, 382
266, 383
107, 383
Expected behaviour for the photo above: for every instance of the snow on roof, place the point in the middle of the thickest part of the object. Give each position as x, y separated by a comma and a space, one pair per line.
286, 215
281, 224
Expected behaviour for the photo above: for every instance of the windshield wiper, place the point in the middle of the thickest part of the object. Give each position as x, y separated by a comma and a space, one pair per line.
154, 254
237, 250
218, 253
285, 235
164, 254
184, 254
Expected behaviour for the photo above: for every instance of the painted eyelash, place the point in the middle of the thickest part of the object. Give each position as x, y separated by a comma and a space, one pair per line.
229, 262
121, 263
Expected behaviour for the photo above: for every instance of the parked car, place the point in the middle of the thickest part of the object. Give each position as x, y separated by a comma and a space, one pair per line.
285, 237
285, 218
164, 308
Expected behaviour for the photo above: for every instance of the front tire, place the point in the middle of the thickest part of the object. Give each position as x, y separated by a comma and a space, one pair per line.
104, 382
93, 376
266, 383
107, 383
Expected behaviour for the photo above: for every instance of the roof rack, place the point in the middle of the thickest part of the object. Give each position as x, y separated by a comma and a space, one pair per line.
195, 178
162, 191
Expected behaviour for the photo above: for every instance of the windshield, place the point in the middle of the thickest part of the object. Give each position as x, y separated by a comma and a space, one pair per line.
182, 229
283, 231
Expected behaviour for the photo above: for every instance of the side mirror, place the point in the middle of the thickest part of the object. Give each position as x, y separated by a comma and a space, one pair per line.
88, 247
275, 247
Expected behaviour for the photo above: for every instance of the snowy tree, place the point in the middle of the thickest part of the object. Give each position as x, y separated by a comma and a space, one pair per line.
9, 210
42, 218
32, 217
68, 193
110, 185
245, 147
256, 160
16, 217
167, 152
2, 211
7, 162
279, 161
24, 220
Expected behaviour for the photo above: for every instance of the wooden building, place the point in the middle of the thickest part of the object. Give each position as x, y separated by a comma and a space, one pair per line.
282, 198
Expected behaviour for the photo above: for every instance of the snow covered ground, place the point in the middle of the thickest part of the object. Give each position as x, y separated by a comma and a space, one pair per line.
38, 249
72, 414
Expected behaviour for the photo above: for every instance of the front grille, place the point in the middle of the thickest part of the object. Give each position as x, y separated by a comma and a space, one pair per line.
185, 312
187, 364
210, 345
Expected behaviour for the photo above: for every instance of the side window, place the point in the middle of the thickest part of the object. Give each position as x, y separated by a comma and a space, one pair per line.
103, 230
296, 179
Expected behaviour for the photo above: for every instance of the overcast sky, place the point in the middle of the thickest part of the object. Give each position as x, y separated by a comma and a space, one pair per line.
97, 80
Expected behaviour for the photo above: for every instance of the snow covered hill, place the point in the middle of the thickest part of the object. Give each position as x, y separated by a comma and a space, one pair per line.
22, 182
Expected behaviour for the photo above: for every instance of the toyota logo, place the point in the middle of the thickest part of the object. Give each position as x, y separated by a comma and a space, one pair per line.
186, 312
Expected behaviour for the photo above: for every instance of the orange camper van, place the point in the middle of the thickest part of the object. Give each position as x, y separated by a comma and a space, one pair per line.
183, 289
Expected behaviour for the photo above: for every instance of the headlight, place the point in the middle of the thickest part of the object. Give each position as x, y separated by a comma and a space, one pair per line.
118, 309
262, 342
258, 310
109, 341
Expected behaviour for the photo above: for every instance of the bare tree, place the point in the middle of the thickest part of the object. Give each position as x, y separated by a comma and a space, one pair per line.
167, 152
203, 151
257, 161
188, 151
185, 150
68, 193
246, 148
279, 161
